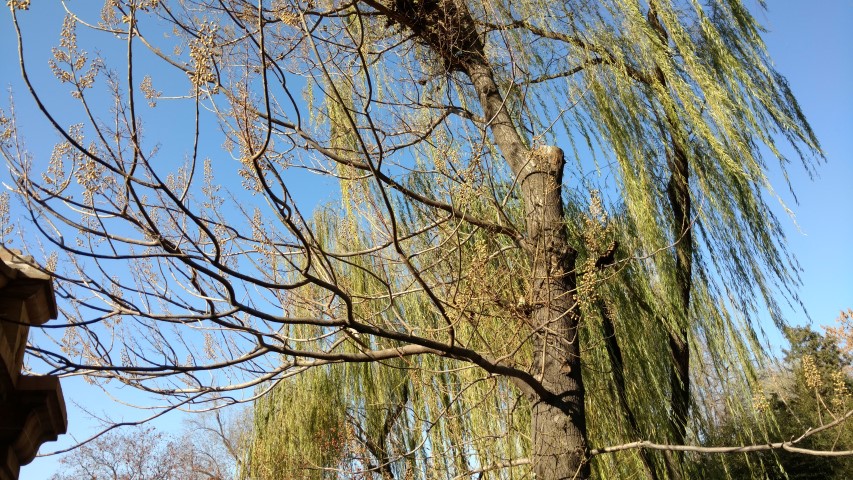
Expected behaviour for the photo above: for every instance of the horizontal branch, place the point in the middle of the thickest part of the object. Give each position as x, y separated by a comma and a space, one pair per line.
789, 446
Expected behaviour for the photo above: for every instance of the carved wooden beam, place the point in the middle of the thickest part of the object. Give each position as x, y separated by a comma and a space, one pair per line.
32, 409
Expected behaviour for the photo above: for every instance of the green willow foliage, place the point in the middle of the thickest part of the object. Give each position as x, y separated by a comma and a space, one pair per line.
727, 103
390, 332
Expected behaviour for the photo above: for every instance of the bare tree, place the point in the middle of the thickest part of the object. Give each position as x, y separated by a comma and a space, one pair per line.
144, 453
220, 439
470, 297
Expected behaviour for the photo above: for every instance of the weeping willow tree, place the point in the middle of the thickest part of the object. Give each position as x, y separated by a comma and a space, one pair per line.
543, 235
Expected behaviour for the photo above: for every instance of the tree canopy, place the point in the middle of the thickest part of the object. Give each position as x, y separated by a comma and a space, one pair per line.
544, 231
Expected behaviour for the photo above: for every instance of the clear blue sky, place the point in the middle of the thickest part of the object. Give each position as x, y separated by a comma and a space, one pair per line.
812, 44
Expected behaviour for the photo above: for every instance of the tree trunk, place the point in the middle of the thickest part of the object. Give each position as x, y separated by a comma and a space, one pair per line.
558, 422
678, 191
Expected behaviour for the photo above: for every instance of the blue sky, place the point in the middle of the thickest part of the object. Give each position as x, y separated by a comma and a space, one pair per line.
812, 44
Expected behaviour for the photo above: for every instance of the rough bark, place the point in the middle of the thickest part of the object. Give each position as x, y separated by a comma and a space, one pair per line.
558, 422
